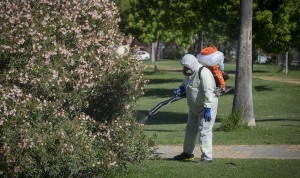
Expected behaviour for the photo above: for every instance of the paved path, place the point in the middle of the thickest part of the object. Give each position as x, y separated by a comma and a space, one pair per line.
239, 151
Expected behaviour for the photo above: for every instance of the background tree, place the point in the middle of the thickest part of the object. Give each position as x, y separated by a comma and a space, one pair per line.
242, 101
146, 21
220, 21
295, 34
276, 25
123, 9
163, 21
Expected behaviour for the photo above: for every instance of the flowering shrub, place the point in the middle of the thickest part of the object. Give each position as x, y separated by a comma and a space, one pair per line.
66, 98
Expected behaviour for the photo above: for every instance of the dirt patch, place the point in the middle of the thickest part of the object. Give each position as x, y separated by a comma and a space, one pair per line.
279, 79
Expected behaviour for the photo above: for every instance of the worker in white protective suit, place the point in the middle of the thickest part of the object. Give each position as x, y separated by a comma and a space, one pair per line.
203, 103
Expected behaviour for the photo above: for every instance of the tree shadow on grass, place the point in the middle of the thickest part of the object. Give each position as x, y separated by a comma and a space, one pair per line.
259, 71
162, 71
160, 130
159, 92
165, 118
183, 161
286, 125
230, 72
280, 120
276, 119
161, 81
262, 88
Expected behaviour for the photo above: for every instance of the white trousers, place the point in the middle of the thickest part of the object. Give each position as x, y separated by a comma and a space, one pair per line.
195, 126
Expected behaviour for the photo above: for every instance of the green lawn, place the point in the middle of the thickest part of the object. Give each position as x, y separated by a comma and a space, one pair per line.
277, 114
276, 107
220, 168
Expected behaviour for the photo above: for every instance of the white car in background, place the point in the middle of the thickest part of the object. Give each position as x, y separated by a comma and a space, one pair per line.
142, 55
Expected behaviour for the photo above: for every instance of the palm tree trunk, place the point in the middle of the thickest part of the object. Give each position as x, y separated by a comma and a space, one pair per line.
242, 101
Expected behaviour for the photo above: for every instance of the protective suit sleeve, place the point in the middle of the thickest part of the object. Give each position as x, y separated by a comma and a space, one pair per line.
181, 89
209, 86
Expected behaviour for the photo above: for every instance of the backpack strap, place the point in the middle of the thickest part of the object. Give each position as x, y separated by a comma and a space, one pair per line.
217, 92
199, 72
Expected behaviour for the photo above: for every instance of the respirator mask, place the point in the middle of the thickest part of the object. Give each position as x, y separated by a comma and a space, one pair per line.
187, 71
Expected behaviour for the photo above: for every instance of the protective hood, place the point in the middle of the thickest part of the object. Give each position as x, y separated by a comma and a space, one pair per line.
191, 62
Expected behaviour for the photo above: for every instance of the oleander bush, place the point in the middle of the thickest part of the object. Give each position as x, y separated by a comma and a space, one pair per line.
66, 103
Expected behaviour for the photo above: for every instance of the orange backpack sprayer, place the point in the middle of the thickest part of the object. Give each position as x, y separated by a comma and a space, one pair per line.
212, 58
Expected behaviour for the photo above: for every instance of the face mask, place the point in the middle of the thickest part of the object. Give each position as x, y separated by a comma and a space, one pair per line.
187, 71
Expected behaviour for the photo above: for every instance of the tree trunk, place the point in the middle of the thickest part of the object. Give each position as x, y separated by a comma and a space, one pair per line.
154, 55
286, 63
157, 50
242, 101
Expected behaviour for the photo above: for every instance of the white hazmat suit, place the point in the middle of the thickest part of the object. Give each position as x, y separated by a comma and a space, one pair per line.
200, 94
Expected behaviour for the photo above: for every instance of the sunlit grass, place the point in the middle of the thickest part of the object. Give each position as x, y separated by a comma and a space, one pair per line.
276, 107
233, 168
277, 114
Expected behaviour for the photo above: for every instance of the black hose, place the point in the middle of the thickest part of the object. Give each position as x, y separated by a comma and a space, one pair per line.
163, 103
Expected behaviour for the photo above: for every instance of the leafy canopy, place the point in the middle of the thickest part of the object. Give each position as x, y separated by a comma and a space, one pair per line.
159, 20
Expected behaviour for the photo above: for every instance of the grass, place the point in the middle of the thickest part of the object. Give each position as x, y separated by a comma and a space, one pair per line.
276, 107
220, 168
277, 114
